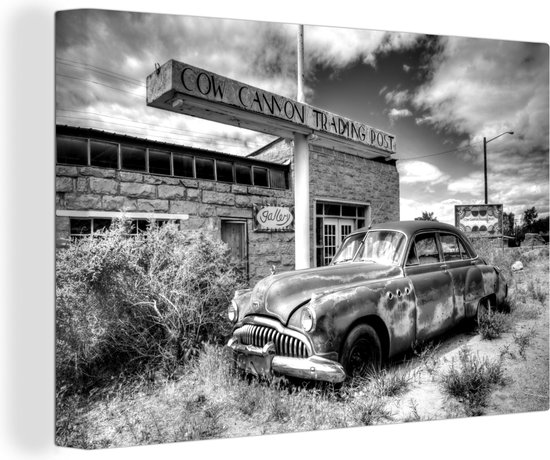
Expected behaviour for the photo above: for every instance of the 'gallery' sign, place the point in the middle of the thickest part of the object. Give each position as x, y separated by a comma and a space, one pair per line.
184, 88
273, 219
479, 219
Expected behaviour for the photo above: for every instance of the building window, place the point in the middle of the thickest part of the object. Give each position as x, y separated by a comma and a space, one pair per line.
260, 176
244, 174
333, 222
224, 171
139, 226
88, 226
72, 150
205, 168
183, 166
94, 226
133, 158
278, 179
104, 154
159, 162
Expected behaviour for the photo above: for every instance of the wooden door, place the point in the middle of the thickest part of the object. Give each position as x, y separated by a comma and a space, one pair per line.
233, 233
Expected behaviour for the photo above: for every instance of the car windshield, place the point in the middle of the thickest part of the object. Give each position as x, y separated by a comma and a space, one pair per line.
382, 246
349, 248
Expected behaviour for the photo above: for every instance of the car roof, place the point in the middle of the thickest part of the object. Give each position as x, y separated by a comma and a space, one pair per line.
409, 227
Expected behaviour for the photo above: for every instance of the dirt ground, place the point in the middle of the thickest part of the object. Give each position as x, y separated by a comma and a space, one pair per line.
526, 385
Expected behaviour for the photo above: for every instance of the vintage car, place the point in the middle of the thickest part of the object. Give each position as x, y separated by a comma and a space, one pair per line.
387, 288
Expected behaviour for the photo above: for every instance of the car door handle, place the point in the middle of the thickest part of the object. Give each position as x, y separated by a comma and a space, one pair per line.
443, 267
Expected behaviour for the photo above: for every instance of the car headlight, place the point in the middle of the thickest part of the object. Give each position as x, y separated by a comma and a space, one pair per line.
233, 312
308, 319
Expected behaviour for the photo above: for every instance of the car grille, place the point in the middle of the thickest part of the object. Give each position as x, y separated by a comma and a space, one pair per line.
285, 345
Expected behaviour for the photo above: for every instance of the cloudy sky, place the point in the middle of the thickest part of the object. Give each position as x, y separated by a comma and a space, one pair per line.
438, 95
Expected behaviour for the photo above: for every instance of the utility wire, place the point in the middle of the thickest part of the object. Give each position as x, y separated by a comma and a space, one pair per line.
455, 150
102, 84
197, 136
77, 64
207, 136
226, 142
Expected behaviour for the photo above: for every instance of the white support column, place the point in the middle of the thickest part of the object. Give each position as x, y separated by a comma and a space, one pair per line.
301, 201
301, 173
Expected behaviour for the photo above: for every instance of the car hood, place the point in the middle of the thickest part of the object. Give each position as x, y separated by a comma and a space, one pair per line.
280, 295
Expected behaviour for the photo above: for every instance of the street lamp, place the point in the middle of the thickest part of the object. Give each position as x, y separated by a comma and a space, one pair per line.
485, 142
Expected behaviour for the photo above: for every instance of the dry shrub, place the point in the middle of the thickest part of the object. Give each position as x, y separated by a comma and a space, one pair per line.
139, 302
492, 324
472, 379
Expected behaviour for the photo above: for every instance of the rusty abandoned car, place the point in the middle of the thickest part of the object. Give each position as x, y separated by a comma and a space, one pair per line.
387, 288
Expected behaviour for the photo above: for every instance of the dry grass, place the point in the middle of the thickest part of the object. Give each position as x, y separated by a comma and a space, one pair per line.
209, 401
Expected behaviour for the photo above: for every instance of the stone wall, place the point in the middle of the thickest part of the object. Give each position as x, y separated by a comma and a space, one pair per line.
206, 202
336, 175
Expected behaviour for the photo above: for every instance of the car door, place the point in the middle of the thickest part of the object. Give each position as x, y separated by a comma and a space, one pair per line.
432, 286
458, 263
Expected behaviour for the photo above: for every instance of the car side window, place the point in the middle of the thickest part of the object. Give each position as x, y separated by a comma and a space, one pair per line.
451, 247
412, 258
426, 249
463, 251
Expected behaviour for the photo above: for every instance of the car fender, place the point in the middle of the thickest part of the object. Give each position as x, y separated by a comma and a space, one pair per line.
474, 290
390, 305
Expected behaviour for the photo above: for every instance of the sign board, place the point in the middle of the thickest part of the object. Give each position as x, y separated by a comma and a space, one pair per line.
481, 220
183, 88
273, 219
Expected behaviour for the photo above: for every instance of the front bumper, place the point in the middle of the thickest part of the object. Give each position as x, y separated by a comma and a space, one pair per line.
264, 362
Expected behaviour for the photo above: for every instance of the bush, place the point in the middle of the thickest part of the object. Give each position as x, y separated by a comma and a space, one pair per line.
492, 324
389, 383
471, 381
143, 301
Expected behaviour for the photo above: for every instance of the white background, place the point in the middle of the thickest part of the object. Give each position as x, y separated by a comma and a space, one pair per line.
27, 234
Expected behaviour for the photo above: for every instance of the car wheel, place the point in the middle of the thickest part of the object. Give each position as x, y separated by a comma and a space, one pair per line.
362, 352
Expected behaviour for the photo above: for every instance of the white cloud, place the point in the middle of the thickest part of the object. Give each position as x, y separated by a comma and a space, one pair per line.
484, 87
471, 185
443, 210
423, 120
397, 97
415, 172
395, 114
338, 48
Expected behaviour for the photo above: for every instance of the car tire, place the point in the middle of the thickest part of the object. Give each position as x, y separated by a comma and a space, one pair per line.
362, 352
483, 307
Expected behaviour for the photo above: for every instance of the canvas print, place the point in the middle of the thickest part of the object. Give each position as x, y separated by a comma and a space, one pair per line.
269, 228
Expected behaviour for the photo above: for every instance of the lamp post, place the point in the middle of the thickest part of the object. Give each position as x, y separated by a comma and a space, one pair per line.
485, 142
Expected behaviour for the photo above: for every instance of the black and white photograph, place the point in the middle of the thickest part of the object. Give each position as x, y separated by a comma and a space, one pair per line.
264, 227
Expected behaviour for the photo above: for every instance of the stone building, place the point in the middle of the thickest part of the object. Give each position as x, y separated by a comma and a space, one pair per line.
100, 176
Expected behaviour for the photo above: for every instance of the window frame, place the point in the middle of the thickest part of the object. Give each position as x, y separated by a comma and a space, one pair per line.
319, 219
